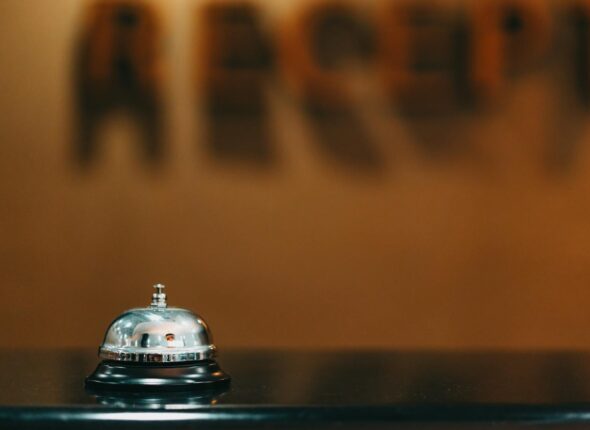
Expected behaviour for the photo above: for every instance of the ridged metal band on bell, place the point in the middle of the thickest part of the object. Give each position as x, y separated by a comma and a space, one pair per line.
157, 357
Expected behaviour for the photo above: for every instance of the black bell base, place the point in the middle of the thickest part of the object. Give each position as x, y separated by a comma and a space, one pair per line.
198, 375
161, 399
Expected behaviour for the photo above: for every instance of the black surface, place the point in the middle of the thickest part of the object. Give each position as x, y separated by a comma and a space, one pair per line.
115, 376
360, 389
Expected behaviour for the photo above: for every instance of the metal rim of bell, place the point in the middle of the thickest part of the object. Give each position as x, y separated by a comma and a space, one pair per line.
157, 357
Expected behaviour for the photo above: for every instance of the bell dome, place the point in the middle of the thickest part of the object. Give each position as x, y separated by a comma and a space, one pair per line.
157, 333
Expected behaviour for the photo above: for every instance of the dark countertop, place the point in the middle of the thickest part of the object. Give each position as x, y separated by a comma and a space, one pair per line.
45, 388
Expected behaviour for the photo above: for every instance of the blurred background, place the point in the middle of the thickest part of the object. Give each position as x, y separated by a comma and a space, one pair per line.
404, 174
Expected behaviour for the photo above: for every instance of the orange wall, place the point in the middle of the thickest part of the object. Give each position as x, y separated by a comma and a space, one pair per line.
467, 232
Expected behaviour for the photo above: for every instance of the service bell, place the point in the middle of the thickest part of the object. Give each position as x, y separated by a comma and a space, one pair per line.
157, 347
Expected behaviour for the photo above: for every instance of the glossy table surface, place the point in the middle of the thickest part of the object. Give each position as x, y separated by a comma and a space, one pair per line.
360, 389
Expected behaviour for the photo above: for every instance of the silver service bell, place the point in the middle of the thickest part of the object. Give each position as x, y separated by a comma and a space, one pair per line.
157, 346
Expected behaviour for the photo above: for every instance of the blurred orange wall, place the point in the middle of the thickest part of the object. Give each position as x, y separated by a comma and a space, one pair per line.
471, 230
